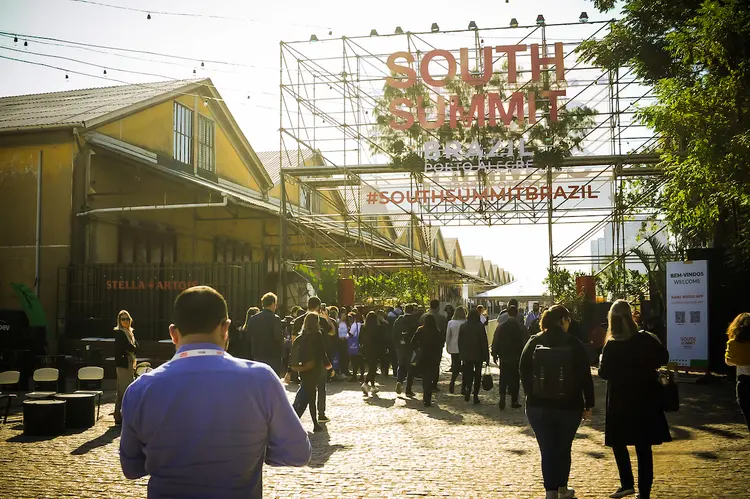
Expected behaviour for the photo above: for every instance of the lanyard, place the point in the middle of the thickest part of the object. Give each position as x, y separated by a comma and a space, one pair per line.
198, 353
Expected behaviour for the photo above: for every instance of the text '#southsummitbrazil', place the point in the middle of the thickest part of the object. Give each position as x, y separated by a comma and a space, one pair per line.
465, 195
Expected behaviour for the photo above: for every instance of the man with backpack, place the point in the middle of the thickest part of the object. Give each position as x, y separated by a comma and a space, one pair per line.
559, 390
507, 345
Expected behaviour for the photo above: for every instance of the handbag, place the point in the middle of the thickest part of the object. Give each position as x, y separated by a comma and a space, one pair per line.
670, 391
487, 382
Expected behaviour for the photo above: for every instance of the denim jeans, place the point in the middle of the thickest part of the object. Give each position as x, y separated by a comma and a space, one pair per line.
306, 396
555, 430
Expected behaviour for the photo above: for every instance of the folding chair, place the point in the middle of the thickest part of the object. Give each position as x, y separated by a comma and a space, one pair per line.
90, 381
45, 383
9, 378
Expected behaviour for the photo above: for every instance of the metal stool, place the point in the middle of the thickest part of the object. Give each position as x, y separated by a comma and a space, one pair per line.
81, 409
43, 417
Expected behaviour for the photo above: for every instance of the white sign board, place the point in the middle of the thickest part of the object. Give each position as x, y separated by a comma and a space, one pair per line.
687, 313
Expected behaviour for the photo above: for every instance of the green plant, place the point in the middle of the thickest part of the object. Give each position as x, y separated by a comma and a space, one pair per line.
323, 278
656, 268
403, 286
694, 55
561, 287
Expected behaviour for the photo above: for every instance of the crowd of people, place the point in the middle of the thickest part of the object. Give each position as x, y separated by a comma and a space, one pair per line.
321, 344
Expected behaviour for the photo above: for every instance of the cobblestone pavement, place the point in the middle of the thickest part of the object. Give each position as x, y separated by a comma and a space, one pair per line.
391, 446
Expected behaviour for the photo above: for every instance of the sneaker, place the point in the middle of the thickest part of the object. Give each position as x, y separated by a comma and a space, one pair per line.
467, 396
501, 404
364, 388
317, 428
623, 492
565, 493
476, 399
427, 403
324, 419
399, 386
374, 390
410, 393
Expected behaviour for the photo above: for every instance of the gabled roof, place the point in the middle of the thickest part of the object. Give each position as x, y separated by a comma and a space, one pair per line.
489, 270
273, 162
436, 238
78, 107
497, 273
450, 246
92, 107
475, 265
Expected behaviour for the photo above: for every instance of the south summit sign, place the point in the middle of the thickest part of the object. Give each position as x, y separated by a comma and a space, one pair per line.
486, 109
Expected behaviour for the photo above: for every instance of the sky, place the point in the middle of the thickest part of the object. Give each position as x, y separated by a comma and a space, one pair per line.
246, 35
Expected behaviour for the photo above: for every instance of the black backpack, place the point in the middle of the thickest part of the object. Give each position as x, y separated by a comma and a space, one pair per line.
301, 356
554, 379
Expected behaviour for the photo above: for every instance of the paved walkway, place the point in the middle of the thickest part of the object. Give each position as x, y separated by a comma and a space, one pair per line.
390, 446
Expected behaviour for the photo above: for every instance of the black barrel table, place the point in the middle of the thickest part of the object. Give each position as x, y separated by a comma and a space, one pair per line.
81, 409
43, 417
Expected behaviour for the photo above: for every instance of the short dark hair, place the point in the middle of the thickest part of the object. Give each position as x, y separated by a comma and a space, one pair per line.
513, 302
434, 304
199, 310
313, 303
268, 300
409, 308
512, 311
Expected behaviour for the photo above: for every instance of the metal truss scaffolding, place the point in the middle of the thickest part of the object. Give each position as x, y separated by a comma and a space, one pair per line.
330, 89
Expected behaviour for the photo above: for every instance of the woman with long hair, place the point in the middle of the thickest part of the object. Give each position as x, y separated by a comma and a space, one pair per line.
635, 407
559, 390
738, 354
125, 360
429, 342
369, 349
309, 380
451, 344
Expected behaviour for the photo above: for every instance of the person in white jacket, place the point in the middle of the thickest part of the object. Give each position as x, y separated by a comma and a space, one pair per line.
451, 344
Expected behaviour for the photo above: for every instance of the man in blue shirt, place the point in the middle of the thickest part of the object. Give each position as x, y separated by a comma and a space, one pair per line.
203, 424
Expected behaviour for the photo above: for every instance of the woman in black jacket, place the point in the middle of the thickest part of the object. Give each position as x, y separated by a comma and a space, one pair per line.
370, 348
310, 380
635, 411
473, 350
556, 379
125, 345
428, 342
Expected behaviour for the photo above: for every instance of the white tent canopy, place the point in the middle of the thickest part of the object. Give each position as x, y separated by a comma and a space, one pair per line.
520, 290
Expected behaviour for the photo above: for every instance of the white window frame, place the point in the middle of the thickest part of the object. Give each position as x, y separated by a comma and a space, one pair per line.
182, 133
211, 148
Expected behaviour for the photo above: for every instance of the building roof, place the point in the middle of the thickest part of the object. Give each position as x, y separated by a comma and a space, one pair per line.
450, 245
474, 264
273, 162
78, 107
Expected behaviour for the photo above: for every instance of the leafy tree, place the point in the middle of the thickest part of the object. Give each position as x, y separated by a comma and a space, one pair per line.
656, 268
402, 286
324, 278
696, 55
617, 282
561, 286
